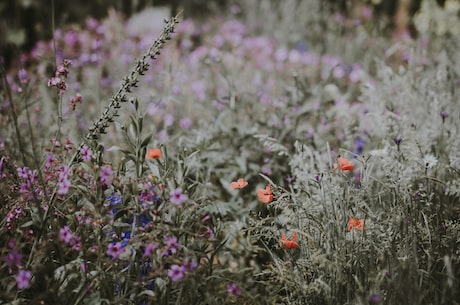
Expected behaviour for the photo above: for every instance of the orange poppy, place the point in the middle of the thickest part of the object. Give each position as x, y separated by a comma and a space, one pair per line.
154, 153
239, 184
345, 164
290, 244
356, 224
265, 195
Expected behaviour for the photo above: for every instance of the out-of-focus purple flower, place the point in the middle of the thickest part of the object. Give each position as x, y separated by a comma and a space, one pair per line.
190, 265
171, 244
168, 119
177, 197
359, 145
444, 115
13, 259
106, 175
23, 279
149, 250
115, 249
233, 289
23, 76
185, 123
176, 272
375, 298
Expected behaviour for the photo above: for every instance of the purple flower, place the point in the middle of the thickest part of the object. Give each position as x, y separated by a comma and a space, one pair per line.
13, 258
375, 298
23, 172
176, 272
177, 197
172, 244
106, 175
150, 249
359, 145
64, 185
65, 234
190, 265
115, 249
22, 76
185, 123
86, 153
23, 279
233, 289
444, 115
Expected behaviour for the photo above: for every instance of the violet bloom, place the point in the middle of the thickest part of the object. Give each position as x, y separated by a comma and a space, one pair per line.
233, 289
176, 272
172, 244
177, 197
65, 234
23, 279
64, 185
359, 145
115, 249
13, 259
149, 250
86, 153
106, 175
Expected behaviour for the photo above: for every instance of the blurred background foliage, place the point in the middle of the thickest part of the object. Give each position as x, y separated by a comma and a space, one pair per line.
24, 22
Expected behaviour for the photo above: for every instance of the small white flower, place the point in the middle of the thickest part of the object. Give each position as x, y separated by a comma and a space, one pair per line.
430, 161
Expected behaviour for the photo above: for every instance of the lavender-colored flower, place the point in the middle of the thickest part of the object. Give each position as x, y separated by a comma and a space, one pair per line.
23, 172
185, 123
22, 76
172, 244
65, 234
233, 289
13, 258
115, 249
177, 197
176, 272
190, 265
23, 279
375, 298
63, 186
149, 250
444, 115
106, 175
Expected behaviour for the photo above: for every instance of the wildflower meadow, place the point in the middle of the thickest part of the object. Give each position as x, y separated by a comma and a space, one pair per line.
268, 153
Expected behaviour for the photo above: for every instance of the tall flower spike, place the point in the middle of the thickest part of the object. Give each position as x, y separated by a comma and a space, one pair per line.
130, 81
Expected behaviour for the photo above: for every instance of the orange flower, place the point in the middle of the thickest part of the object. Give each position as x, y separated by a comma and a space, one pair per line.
239, 184
345, 164
265, 195
154, 153
290, 244
356, 224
